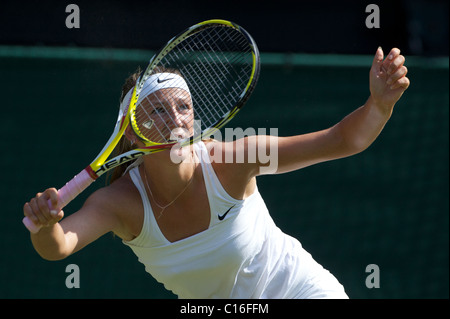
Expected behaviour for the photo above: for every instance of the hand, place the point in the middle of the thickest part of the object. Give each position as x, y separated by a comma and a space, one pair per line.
41, 210
388, 78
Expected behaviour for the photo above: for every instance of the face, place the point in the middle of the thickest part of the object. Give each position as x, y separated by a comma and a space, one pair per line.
166, 115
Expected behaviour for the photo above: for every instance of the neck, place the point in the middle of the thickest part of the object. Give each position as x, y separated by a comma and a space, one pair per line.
165, 178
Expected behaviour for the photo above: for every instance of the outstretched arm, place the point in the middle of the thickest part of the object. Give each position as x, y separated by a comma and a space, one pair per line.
356, 131
351, 135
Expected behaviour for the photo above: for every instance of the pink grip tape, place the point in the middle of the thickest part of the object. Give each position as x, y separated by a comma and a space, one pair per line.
65, 195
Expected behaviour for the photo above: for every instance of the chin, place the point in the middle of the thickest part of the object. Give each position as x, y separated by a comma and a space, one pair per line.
179, 154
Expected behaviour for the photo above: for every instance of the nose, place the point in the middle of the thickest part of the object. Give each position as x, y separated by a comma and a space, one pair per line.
174, 117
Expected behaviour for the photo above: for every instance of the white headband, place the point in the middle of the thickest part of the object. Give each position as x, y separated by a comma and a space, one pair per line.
154, 83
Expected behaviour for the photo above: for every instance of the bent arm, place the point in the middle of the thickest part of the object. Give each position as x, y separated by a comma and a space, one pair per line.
61, 239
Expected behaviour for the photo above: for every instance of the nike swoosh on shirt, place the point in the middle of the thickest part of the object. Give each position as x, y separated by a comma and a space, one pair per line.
221, 217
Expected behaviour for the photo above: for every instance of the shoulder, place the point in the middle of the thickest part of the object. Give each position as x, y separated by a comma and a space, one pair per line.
121, 204
232, 168
232, 156
115, 195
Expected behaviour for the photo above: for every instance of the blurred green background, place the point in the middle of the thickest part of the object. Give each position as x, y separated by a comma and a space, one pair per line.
387, 206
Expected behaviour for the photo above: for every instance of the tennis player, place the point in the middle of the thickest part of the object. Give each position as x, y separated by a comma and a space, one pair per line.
201, 227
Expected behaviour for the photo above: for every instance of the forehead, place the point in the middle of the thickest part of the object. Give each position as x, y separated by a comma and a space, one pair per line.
168, 95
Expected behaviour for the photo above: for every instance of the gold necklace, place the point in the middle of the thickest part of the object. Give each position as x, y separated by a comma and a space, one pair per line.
163, 207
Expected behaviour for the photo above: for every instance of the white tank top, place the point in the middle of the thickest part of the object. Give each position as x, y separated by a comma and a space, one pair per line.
242, 254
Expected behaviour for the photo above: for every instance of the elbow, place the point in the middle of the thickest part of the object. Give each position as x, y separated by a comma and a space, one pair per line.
51, 256
351, 144
357, 147
354, 149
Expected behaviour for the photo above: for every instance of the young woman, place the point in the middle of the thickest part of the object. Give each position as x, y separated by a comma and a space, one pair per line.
200, 226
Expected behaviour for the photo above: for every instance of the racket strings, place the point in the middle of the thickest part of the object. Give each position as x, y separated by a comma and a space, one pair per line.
218, 68
157, 117
216, 64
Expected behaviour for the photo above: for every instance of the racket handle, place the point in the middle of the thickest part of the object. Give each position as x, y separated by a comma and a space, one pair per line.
65, 195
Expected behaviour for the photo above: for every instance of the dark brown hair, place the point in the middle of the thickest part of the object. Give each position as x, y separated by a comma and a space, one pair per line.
124, 144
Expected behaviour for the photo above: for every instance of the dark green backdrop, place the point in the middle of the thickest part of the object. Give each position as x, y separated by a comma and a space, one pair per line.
386, 206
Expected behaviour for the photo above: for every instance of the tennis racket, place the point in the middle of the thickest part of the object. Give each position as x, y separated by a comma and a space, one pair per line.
191, 88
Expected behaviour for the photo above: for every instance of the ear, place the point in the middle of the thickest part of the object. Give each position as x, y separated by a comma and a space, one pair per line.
129, 134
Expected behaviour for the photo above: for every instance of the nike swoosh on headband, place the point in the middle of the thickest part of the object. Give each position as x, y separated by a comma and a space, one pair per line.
164, 80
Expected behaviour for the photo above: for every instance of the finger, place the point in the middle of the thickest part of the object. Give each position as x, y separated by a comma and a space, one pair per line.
394, 53
401, 83
390, 57
401, 72
42, 220
378, 58
377, 61
42, 202
52, 193
48, 203
396, 64
28, 212
59, 215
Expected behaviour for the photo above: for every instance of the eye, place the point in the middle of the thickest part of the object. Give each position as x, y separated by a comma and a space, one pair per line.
184, 107
157, 110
